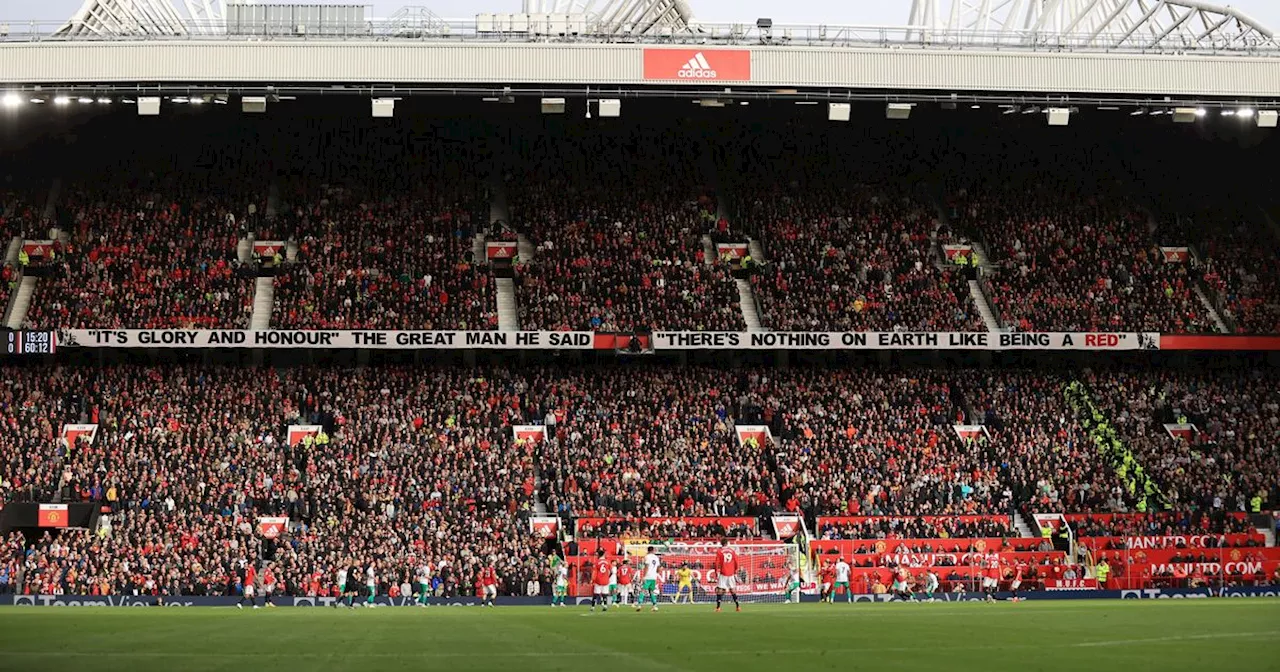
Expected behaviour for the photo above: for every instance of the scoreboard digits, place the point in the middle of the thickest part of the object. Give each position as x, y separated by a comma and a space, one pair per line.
31, 342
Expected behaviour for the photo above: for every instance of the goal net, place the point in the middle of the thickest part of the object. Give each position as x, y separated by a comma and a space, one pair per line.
764, 570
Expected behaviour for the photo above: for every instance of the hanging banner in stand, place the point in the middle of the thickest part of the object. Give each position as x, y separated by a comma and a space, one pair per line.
732, 250
37, 249
1176, 255
327, 339
586, 340
902, 340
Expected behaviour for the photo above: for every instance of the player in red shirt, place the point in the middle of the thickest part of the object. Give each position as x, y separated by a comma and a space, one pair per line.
489, 585
250, 579
828, 576
268, 585
991, 575
727, 574
625, 574
1018, 571
601, 572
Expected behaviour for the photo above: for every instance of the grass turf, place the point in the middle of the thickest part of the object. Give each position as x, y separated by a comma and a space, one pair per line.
1203, 635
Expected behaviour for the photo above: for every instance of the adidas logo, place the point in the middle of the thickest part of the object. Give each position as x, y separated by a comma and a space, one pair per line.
697, 68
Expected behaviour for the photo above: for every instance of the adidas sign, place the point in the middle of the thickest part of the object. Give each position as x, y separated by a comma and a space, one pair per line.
697, 68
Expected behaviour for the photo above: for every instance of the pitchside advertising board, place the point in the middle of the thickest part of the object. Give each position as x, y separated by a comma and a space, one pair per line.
230, 602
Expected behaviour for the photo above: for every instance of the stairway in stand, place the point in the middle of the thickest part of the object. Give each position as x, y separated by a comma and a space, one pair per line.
508, 307
264, 298
984, 308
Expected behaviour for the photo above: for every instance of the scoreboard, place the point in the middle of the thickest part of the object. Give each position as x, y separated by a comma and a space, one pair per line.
30, 342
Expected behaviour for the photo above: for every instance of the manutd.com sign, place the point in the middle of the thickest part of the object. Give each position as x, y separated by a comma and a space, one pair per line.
698, 65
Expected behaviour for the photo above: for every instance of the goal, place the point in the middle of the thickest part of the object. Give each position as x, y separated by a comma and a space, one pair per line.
763, 574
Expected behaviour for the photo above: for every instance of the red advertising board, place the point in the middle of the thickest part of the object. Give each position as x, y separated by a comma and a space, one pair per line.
585, 525
839, 521
698, 65
503, 250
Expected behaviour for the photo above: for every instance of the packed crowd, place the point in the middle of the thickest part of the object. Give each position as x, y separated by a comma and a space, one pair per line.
845, 249
676, 528
152, 254
419, 464
384, 263
1179, 524
617, 220
1230, 461
420, 467
919, 528
1073, 259
1242, 266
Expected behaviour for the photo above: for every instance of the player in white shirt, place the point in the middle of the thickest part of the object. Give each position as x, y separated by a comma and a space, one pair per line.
842, 578
424, 583
562, 585
652, 563
371, 584
342, 587
613, 584
793, 580
930, 584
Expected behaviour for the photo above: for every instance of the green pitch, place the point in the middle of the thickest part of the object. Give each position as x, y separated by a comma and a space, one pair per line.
1201, 635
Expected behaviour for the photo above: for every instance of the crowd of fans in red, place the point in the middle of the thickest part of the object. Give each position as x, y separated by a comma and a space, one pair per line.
1071, 259
849, 249
420, 462
389, 263
617, 221
152, 254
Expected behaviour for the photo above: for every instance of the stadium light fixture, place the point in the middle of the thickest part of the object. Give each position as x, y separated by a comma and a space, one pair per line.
1059, 116
104, 101
1138, 112
1200, 111
62, 100
898, 111
1157, 112
838, 111
609, 107
197, 100
84, 100
1010, 109
149, 106
11, 100
37, 101
1228, 113
553, 105
1186, 115
383, 108
1268, 118
1245, 112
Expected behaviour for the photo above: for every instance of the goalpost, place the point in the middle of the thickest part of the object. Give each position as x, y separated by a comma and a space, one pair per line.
764, 572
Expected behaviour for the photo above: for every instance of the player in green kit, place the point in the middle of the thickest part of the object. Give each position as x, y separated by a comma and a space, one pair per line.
652, 563
424, 582
562, 585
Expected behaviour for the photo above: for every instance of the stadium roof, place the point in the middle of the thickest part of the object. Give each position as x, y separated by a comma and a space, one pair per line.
1077, 25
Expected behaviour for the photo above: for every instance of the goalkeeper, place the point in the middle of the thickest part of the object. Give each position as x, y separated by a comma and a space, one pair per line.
684, 584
